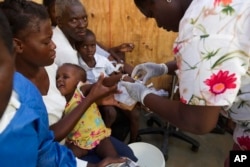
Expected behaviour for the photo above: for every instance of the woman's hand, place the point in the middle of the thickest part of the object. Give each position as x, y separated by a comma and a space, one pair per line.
145, 71
136, 90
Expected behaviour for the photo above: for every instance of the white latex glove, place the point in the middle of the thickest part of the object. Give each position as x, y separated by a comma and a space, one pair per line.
145, 71
136, 90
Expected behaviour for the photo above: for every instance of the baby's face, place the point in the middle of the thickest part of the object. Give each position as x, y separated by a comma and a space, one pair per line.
66, 80
74, 21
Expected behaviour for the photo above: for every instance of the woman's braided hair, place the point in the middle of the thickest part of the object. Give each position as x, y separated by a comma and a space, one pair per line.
23, 15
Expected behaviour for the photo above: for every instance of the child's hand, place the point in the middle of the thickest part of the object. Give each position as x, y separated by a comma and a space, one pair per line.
99, 90
126, 47
128, 79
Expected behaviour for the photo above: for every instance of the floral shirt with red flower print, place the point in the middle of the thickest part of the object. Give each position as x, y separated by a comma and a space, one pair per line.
212, 54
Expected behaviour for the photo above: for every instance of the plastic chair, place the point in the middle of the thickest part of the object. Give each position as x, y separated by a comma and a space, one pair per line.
166, 129
148, 155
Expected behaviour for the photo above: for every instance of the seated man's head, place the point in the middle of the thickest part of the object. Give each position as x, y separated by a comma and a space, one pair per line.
6, 62
72, 19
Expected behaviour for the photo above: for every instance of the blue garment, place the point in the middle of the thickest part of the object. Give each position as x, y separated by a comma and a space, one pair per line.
27, 141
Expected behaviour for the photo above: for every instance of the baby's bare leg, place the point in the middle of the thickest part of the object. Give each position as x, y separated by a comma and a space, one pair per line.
106, 149
134, 117
78, 152
109, 114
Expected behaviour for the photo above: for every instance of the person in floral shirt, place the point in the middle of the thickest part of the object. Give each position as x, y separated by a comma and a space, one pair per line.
211, 63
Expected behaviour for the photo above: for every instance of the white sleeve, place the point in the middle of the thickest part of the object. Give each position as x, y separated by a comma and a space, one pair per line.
81, 163
102, 52
10, 111
110, 68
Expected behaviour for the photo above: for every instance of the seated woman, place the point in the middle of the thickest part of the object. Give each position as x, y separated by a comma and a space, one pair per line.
35, 54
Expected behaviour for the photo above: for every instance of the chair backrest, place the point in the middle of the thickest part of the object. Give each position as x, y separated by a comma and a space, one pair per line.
148, 155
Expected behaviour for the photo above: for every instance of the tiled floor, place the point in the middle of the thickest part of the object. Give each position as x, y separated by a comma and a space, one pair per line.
211, 153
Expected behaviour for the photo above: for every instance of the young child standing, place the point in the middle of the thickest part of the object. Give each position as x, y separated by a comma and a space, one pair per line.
95, 64
90, 132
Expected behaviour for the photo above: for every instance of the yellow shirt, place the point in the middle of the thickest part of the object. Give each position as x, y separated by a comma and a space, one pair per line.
90, 129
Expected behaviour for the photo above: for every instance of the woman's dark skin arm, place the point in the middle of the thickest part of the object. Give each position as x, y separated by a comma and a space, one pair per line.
172, 67
6, 76
114, 79
194, 119
69, 121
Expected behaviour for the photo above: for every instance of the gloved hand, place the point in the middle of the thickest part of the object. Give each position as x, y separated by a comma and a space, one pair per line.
136, 90
145, 71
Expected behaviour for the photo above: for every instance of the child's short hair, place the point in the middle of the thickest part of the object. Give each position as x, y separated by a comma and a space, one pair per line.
81, 72
87, 33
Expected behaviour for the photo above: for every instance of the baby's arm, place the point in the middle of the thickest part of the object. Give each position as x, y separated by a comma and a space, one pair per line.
86, 89
115, 78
